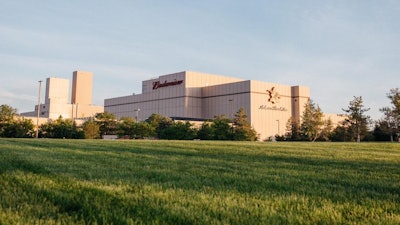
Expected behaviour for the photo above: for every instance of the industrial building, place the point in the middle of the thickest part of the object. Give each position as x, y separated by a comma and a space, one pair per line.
198, 96
57, 94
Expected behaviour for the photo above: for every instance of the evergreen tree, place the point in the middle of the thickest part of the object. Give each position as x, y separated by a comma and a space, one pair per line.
356, 120
292, 130
382, 131
312, 123
392, 114
242, 128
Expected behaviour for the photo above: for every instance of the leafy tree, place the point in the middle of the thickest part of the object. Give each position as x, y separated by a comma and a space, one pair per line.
61, 128
242, 128
205, 132
18, 128
159, 123
143, 129
356, 120
107, 122
128, 126
392, 114
312, 123
7, 115
91, 129
222, 130
178, 131
155, 119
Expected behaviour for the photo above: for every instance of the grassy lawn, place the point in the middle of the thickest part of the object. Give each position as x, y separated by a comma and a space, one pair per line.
198, 182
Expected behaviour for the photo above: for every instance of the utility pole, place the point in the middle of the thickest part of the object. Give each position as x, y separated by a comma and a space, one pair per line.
38, 110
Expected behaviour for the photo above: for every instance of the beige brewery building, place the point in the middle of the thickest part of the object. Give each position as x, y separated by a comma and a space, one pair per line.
198, 96
56, 102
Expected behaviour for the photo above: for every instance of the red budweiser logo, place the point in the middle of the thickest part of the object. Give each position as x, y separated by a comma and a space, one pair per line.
158, 84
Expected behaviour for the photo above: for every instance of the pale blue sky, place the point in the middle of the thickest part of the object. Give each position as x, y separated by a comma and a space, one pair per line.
339, 49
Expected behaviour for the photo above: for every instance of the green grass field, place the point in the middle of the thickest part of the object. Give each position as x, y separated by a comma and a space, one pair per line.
198, 182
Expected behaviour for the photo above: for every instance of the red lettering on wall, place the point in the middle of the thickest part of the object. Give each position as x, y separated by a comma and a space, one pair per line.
158, 84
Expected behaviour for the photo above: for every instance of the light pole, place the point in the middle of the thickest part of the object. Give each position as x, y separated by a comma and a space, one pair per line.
38, 110
137, 114
231, 103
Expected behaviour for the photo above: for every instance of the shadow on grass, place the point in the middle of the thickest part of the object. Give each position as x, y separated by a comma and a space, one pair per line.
248, 173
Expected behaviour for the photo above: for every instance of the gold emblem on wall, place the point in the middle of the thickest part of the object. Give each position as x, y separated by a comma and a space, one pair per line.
273, 96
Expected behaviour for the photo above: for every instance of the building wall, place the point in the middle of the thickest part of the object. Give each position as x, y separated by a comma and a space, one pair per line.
202, 90
57, 90
226, 99
175, 95
82, 87
189, 94
271, 108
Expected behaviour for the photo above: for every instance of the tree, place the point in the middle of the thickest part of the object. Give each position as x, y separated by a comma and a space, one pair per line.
392, 114
205, 132
159, 123
312, 123
222, 130
130, 127
341, 133
178, 131
91, 129
107, 123
292, 130
143, 129
242, 128
382, 131
356, 118
7, 115
18, 128
61, 128
126, 127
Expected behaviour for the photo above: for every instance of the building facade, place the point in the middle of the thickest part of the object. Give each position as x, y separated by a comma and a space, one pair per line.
57, 94
82, 88
199, 96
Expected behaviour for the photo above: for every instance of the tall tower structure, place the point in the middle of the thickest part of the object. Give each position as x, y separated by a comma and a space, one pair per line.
82, 86
57, 90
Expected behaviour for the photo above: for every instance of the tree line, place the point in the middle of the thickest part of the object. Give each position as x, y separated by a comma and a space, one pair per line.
155, 127
356, 126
